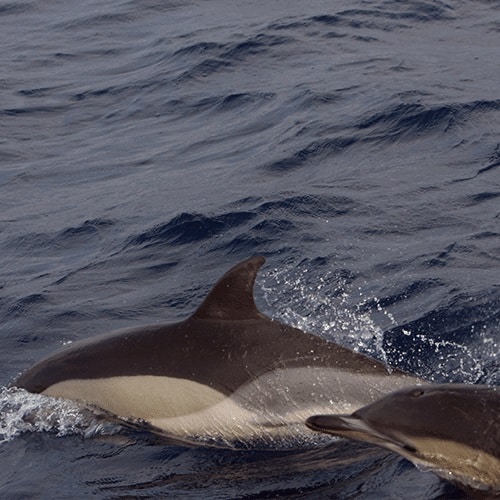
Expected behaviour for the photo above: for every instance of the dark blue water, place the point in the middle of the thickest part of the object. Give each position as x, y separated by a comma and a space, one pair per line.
146, 146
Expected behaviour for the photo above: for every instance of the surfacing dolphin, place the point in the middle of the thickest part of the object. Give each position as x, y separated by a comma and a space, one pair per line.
452, 429
227, 375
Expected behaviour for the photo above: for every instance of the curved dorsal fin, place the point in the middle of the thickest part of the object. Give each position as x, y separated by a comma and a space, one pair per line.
232, 296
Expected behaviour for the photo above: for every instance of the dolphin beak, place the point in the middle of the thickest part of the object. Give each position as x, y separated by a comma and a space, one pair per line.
330, 424
354, 428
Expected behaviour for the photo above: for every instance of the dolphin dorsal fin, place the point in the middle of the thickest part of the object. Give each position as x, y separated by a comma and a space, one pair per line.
232, 296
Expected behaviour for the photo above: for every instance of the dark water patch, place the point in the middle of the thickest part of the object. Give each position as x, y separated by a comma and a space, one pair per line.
311, 99
407, 292
71, 315
96, 21
347, 19
494, 26
253, 46
27, 243
33, 110
411, 119
251, 201
161, 268
260, 236
16, 8
154, 6
24, 339
493, 163
25, 305
367, 39
203, 70
324, 472
189, 228
120, 313
401, 68
115, 91
483, 106
485, 235
344, 20
233, 101
218, 57
87, 268
287, 25
274, 226
309, 205
187, 107
87, 228
447, 256
334, 34
478, 198
315, 151
245, 244
422, 11
150, 270
81, 96
328, 19
370, 19
86, 232
64, 56
217, 103
200, 48
37, 91
7, 156
489, 167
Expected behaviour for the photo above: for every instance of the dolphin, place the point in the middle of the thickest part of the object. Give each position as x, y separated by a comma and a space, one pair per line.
452, 429
226, 376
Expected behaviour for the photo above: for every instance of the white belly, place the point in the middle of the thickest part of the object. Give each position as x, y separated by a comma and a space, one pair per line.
271, 409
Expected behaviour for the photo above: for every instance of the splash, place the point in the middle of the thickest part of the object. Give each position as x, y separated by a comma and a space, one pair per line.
324, 308
330, 307
21, 412
443, 360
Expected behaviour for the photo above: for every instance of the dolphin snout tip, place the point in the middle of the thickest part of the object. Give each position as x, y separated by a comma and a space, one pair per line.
325, 423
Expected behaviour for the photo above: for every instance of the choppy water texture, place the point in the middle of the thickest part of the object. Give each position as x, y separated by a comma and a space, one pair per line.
146, 146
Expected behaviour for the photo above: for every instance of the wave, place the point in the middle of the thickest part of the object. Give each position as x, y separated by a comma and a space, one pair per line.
265, 220
87, 232
382, 18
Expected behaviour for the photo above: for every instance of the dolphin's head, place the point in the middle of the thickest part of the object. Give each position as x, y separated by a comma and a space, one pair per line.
354, 427
452, 429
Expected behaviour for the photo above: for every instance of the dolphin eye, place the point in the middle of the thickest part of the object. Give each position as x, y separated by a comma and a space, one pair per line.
417, 393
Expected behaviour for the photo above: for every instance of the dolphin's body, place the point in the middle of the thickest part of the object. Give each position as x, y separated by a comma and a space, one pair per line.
226, 375
453, 429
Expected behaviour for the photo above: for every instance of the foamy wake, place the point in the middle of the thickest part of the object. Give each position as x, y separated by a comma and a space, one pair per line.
21, 412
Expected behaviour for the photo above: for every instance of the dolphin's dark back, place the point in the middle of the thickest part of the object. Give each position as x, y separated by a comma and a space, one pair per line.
223, 354
224, 344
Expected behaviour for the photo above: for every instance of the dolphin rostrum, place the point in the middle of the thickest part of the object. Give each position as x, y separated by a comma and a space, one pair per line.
227, 375
452, 429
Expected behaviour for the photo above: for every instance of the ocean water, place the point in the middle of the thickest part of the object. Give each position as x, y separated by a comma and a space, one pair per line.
146, 146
